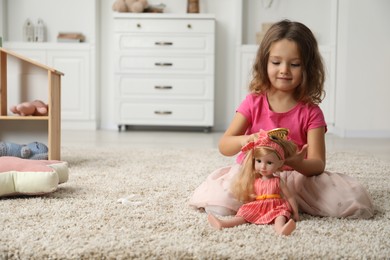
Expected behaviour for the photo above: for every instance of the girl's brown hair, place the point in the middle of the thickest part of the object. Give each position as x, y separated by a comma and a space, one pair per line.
311, 90
243, 184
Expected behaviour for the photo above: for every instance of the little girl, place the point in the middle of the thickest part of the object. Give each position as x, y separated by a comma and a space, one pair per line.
267, 199
287, 86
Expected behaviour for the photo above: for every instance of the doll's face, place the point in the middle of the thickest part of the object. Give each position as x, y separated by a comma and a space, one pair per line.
268, 164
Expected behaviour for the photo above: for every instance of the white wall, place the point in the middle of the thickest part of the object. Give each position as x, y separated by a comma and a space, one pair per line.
257, 12
363, 69
3, 18
52, 13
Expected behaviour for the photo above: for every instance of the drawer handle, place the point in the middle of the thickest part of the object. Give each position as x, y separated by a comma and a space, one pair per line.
163, 43
163, 112
163, 87
189, 26
163, 64
138, 25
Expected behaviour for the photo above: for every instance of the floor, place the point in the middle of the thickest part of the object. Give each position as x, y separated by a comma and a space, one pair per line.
176, 139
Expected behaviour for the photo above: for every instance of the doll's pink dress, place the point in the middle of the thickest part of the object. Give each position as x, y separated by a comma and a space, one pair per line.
265, 210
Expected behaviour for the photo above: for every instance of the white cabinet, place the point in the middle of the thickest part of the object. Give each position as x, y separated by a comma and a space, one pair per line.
322, 20
78, 92
164, 69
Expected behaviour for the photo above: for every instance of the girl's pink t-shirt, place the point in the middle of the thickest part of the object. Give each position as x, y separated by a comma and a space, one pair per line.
299, 120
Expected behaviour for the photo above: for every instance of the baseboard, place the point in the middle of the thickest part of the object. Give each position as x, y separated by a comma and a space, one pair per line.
158, 128
79, 125
351, 133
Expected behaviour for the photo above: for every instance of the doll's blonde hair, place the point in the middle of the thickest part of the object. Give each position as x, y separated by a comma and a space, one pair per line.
243, 185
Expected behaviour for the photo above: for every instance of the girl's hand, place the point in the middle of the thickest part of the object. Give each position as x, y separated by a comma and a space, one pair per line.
296, 216
298, 157
249, 138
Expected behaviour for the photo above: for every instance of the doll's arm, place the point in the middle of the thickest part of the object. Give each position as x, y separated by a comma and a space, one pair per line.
291, 199
314, 162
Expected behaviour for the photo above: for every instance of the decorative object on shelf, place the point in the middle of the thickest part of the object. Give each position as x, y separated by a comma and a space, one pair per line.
264, 29
120, 6
133, 6
192, 6
40, 31
28, 31
34, 108
70, 37
34, 150
136, 6
155, 8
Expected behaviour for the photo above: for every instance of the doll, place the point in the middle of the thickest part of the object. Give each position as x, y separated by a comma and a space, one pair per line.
265, 196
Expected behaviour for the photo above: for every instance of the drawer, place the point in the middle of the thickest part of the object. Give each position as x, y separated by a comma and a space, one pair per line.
163, 42
203, 64
166, 113
163, 25
165, 87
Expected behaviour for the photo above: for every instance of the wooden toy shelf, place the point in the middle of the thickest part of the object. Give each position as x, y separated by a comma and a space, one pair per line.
53, 119
24, 118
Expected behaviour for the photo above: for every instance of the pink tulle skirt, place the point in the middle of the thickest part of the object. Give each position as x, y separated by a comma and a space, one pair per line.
328, 194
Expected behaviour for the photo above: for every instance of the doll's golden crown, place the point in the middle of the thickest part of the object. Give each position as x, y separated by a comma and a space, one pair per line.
279, 132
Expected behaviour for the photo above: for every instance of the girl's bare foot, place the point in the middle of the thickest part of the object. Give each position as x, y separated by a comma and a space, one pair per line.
214, 221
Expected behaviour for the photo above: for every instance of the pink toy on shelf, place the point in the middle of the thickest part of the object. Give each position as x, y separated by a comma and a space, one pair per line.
33, 108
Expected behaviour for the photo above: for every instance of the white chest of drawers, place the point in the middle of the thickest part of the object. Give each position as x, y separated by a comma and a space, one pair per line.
164, 69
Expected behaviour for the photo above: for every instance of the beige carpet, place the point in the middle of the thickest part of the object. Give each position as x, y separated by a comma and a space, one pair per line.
122, 203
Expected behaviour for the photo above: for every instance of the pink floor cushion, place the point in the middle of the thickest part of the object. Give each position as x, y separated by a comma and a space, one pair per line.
30, 177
